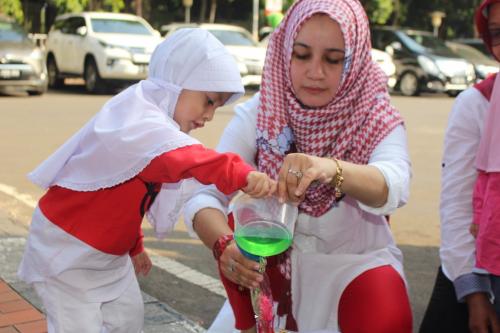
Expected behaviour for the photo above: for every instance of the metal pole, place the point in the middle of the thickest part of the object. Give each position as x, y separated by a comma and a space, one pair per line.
187, 14
255, 24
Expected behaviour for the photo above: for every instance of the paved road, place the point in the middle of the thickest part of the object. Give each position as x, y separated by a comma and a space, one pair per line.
32, 127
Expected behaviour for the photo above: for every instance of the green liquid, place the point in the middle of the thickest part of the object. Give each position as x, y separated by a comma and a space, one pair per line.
262, 239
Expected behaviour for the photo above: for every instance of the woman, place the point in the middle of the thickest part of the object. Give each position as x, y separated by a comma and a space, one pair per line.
460, 301
323, 126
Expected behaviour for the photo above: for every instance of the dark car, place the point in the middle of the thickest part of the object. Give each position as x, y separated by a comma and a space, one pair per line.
476, 43
22, 62
423, 62
483, 65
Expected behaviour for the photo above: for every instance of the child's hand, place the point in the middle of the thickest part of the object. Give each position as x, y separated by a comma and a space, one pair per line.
142, 263
474, 229
259, 185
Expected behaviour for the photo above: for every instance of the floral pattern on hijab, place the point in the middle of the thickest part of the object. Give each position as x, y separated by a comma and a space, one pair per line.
349, 127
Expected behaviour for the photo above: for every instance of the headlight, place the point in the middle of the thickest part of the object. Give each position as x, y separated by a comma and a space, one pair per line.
428, 65
113, 47
115, 50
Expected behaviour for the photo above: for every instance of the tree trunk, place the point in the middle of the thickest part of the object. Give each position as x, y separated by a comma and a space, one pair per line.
203, 11
138, 7
397, 11
213, 9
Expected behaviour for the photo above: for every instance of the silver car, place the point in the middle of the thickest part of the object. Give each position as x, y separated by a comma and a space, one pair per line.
22, 62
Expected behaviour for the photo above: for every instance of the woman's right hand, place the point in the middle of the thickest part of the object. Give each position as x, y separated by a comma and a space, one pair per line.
482, 315
239, 269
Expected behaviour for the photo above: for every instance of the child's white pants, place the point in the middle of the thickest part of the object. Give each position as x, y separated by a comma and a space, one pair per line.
66, 313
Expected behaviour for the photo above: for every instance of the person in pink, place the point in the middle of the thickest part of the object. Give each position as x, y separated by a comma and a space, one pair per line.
466, 292
486, 195
133, 158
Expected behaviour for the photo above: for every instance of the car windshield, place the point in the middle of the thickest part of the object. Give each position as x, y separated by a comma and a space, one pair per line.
234, 38
113, 26
419, 42
12, 32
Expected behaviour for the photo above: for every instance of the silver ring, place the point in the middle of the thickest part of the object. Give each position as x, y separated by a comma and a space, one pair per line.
296, 173
231, 265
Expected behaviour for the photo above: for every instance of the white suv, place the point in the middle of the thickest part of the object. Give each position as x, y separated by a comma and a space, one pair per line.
99, 47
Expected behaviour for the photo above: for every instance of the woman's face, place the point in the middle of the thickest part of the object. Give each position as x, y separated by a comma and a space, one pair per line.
317, 61
494, 28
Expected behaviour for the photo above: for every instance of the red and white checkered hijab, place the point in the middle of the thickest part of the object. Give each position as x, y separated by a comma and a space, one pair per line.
349, 127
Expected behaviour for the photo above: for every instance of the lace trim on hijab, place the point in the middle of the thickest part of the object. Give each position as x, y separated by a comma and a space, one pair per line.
118, 179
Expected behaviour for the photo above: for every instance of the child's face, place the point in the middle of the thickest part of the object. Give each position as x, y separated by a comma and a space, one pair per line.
194, 108
494, 28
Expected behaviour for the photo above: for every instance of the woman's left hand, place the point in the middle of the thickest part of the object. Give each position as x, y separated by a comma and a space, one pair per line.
299, 171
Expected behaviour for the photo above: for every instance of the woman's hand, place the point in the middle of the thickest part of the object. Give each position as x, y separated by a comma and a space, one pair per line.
299, 171
364, 183
239, 269
482, 316
142, 263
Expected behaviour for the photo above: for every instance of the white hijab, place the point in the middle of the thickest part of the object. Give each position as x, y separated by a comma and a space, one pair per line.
137, 125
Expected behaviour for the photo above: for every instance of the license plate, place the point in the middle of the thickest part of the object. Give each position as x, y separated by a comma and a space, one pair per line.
141, 58
9, 73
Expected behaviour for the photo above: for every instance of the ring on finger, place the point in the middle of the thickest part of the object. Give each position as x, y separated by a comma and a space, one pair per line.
296, 173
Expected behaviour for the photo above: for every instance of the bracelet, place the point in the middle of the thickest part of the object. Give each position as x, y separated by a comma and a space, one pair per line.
221, 244
338, 180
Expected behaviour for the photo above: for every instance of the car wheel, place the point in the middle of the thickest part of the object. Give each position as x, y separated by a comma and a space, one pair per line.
408, 84
453, 93
93, 82
53, 73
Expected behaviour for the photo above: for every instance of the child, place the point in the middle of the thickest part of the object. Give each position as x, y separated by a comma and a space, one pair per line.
104, 179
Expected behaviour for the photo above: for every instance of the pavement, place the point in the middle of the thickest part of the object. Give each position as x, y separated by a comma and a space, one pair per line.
21, 311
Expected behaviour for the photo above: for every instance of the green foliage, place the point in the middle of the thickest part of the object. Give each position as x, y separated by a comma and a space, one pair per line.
12, 8
114, 5
379, 11
72, 6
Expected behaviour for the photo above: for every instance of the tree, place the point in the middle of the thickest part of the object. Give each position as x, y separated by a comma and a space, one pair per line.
12, 8
65, 6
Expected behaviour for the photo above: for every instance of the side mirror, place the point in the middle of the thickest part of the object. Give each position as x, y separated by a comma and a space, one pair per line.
81, 31
397, 46
393, 48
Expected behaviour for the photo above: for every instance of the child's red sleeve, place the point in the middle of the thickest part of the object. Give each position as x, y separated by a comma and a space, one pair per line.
227, 171
139, 245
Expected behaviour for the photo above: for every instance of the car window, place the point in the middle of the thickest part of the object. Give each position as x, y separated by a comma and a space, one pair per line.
11, 32
420, 42
70, 25
228, 37
101, 25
